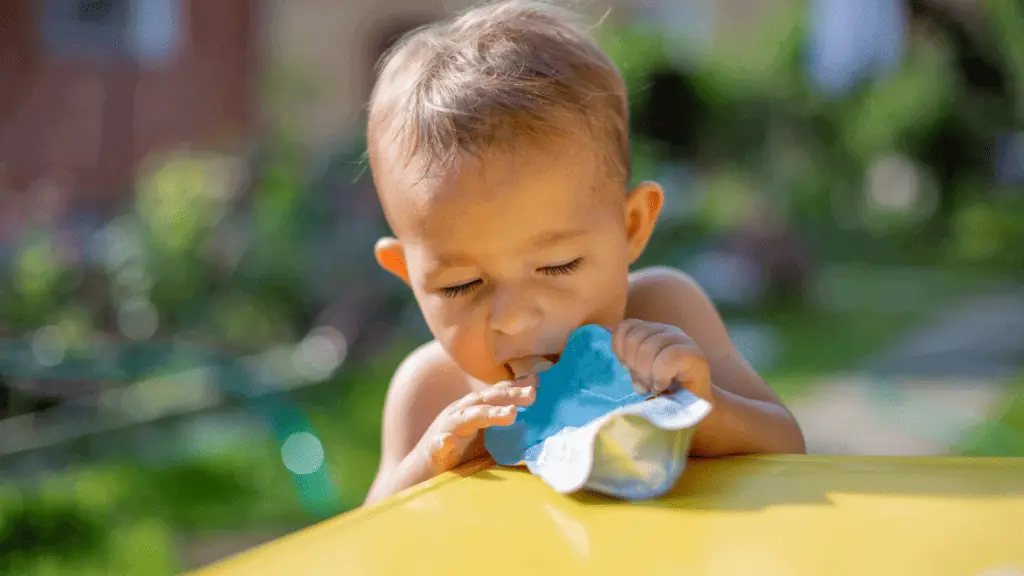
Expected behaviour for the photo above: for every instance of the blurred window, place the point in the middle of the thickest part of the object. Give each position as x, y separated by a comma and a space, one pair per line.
86, 27
148, 31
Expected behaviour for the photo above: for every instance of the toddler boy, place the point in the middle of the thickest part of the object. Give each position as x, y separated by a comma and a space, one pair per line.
498, 142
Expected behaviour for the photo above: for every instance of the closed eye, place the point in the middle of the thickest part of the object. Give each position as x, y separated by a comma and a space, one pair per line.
461, 289
562, 269
468, 287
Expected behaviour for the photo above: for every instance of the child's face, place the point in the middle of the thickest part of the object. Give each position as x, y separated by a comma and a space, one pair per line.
510, 255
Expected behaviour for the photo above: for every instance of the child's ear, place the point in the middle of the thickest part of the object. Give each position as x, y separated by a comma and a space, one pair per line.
391, 257
643, 204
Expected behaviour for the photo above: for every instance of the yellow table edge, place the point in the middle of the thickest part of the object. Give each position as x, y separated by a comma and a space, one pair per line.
467, 470
358, 514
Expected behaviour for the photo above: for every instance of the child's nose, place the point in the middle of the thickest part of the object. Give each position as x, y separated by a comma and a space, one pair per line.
512, 313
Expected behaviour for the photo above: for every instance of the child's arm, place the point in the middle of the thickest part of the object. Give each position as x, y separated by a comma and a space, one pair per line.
748, 418
407, 414
433, 418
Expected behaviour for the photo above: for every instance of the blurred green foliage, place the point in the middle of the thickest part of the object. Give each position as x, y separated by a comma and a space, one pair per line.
761, 129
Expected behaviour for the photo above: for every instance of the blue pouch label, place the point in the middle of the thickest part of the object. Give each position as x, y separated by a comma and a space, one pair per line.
587, 382
589, 428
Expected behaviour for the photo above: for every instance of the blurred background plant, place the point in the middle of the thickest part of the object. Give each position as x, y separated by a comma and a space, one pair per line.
199, 365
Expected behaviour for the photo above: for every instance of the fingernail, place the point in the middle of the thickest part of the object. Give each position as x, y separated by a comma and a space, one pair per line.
525, 392
638, 388
442, 441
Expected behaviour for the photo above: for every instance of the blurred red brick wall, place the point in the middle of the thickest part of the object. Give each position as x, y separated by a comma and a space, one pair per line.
73, 121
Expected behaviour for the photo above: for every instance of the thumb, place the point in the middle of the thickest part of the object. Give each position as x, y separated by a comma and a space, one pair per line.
445, 453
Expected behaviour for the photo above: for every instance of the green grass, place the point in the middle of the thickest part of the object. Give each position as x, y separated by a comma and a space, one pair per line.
822, 342
1001, 436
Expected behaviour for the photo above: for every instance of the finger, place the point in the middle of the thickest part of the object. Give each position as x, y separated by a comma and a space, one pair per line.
698, 375
638, 338
623, 340
476, 448
521, 396
516, 395
620, 334
648, 350
519, 393
639, 384
683, 364
444, 448
468, 421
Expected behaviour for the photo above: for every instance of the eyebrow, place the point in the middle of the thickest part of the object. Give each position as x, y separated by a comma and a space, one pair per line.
543, 240
551, 238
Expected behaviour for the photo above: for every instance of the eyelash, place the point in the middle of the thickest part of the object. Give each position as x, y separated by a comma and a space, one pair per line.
559, 270
461, 289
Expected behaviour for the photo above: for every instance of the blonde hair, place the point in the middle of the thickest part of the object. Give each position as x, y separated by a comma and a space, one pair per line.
492, 77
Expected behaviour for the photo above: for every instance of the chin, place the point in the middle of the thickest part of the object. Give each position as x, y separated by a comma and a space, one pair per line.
501, 375
491, 375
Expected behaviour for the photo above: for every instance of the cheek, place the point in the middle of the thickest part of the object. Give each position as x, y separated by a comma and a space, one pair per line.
609, 290
459, 328
435, 314
466, 345
597, 296
441, 315
446, 317
608, 300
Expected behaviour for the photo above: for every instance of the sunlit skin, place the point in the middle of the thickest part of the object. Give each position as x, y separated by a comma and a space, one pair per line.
506, 256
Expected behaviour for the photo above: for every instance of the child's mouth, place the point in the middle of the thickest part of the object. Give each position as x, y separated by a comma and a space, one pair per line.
521, 367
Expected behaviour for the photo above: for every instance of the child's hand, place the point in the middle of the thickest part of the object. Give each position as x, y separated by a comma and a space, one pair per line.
658, 355
455, 436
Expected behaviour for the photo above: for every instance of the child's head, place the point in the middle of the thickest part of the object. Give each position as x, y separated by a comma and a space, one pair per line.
499, 147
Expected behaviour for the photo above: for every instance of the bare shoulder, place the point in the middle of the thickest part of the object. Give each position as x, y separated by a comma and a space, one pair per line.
423, 385
428, 368
669, 296
666, 295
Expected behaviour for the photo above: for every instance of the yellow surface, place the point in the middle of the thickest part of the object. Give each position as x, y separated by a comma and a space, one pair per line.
792, 515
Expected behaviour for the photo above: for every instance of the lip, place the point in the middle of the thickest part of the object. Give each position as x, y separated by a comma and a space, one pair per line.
528, 359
